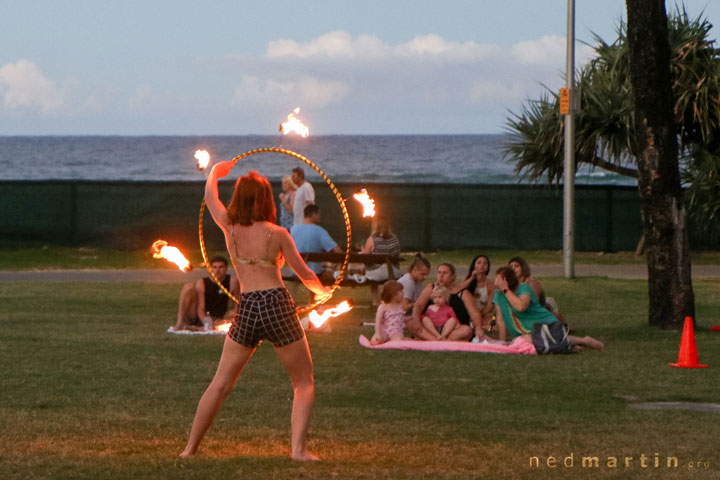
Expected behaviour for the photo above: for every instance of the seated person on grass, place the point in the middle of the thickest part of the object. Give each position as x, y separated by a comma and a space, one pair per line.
203, 304
518, 310
412, 282
390, 317
310, 237
524, 275
481, 287
439, 318
460, 300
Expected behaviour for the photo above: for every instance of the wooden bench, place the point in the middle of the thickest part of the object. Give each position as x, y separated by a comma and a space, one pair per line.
338, 258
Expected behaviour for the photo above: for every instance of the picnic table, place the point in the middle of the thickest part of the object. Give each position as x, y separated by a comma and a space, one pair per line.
364, 258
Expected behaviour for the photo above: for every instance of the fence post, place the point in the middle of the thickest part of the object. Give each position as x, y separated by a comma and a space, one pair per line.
609, 219
426, 219
73, 213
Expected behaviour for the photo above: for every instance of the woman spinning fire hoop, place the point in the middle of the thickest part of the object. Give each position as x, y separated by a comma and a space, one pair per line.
266, 310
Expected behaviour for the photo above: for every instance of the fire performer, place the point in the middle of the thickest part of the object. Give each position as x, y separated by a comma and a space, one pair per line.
266, 310
203, 304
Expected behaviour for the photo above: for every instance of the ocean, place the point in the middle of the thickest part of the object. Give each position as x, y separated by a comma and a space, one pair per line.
352, 158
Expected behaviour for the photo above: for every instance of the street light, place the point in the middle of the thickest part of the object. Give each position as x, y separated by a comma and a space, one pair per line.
569, 182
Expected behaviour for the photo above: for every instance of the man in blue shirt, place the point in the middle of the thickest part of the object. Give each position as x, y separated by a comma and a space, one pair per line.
310, 237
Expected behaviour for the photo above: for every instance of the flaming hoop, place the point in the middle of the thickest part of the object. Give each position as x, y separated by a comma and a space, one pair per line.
343, 208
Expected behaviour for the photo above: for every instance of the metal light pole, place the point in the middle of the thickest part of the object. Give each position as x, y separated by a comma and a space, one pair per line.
569, 182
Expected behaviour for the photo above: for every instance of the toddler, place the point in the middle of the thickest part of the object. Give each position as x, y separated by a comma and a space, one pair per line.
390, 317
439, 317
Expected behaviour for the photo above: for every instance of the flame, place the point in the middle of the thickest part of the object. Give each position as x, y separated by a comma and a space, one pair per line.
160, 249
224, 327
319, 319
203, 158
367, 202
295, 125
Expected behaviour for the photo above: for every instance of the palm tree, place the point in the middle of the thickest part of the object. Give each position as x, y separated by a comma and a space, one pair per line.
608, 135
604, 128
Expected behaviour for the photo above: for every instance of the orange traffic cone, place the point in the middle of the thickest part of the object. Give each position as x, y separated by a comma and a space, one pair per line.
688, 356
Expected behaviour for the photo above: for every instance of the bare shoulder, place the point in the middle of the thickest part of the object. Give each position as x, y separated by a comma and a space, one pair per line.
281, 232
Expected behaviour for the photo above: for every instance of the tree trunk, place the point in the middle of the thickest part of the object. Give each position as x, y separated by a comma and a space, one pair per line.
655, 146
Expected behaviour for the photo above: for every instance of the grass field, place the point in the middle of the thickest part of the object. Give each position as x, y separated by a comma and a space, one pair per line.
93, 388
56, 257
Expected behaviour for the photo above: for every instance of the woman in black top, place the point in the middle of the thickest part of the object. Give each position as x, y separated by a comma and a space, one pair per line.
460, 300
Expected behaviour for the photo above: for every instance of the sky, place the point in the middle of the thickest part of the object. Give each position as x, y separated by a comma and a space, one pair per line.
221, 67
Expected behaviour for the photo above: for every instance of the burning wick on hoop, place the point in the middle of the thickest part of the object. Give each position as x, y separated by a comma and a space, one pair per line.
294, 125
317, 320
224, 327
367, 202
203, 159
160, 249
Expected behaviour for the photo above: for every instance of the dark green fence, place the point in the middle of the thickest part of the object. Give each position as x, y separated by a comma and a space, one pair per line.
131, 215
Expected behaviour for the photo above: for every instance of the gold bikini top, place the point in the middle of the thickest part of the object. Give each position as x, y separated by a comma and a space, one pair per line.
276, 262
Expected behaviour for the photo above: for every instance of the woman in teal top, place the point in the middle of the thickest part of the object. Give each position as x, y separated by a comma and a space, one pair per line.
517, 307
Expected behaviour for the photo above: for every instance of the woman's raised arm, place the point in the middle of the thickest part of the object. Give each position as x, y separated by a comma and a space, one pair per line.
212, 198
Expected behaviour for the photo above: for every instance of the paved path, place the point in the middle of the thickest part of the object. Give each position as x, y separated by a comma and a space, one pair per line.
172, 276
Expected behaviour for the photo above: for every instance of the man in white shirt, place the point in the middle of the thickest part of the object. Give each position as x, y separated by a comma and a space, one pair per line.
304, 195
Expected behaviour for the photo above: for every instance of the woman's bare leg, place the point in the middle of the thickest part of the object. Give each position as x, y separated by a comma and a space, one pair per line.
233, 360
187, 304
297, 361
461, 333
586, 342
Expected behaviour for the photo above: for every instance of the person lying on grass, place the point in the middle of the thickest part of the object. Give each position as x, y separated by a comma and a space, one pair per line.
518, 313
390, 317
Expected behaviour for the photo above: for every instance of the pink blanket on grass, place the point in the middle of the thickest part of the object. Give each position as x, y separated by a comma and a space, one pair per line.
518, 346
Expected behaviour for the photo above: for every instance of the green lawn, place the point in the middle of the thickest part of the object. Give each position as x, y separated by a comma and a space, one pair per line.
55, 257
93, 388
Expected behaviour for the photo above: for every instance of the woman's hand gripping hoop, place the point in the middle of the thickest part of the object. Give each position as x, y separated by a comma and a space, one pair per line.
343, 208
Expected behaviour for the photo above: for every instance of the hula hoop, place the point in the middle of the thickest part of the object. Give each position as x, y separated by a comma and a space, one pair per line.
343, 208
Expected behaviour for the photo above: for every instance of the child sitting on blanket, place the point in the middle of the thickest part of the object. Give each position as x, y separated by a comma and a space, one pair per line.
439, 317
390, 317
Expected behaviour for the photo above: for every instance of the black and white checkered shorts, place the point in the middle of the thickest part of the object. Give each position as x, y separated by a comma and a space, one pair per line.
266, 314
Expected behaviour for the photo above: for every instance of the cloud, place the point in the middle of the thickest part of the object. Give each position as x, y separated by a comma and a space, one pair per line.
307, 91
337, 69
497, 92
547, 50
337, 44
23, 86
341, 45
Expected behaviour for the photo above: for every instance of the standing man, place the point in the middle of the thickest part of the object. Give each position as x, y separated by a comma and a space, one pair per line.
304, 195
203, 304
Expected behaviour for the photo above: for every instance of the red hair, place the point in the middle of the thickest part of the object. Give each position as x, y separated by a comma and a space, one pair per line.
389, 289
252, 200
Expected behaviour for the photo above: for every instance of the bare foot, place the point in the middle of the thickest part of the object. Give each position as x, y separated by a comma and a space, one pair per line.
187, 453
592, 343
305, 457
